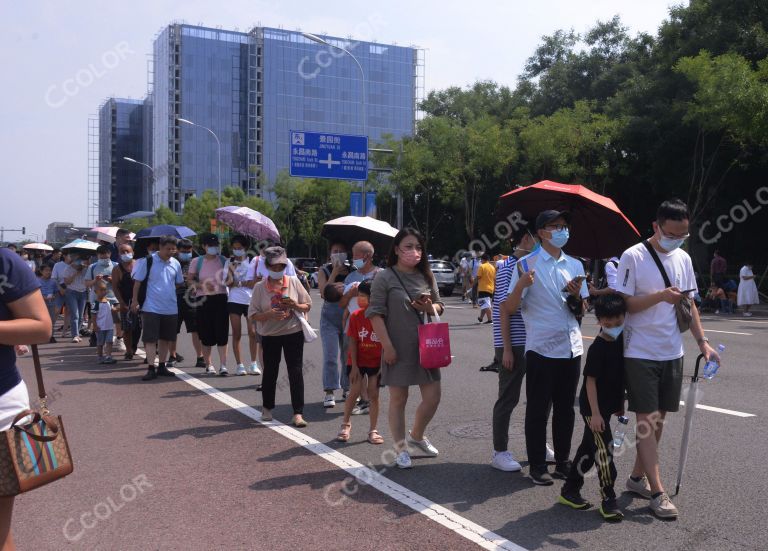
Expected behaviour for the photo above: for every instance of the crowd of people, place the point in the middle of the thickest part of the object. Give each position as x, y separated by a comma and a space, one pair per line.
125, 293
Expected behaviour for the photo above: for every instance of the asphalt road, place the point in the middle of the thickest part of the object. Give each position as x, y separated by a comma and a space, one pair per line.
219, 479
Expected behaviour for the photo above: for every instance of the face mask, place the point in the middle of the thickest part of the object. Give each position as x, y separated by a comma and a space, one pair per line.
559, 238
238, 252
276, 275
212, 250
669, 244
127, 257
185, 257
362, 301
410, 258
105, 262
358, 263
613, 332
339, 257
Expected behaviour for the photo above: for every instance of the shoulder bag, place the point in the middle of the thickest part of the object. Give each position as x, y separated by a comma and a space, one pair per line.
682, 308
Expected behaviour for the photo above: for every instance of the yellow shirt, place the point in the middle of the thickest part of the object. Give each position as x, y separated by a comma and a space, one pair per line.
486, 277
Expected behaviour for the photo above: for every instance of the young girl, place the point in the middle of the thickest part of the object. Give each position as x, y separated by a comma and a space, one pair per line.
103, 323
364, 358
50, 290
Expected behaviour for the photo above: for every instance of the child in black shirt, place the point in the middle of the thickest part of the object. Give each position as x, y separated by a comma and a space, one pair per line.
602, 395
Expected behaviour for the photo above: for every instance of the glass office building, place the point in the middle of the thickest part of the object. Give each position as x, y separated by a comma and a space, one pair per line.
121, 134
250, 89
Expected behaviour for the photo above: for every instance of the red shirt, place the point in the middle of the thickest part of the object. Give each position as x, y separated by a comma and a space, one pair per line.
368, 346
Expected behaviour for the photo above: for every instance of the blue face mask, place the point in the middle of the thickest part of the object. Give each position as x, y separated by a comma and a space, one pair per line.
238, 252
613, 332
276, 275
358, 263
185, 257
669, 244
105, 262
559, 238
127, 257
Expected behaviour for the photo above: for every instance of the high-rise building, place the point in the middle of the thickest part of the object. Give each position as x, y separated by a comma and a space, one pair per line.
121, 134
251, 89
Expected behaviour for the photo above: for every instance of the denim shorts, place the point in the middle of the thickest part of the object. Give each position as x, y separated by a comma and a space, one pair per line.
104, 337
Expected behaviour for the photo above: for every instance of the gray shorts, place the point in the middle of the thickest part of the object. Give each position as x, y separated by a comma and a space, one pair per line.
653, 385
158, 327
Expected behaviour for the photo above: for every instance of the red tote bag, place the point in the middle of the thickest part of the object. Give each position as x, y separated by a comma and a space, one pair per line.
434, 345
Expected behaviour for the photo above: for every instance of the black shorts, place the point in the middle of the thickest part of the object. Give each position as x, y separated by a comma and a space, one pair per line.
158, 327
484, 294
370, 371
187, 315
237, 309
213, 321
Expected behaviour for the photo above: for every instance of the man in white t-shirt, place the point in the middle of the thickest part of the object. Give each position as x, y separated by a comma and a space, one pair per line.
653, 344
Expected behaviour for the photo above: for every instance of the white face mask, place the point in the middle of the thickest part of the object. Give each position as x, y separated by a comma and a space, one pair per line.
212, 250
276, 275
339, 258
238, 252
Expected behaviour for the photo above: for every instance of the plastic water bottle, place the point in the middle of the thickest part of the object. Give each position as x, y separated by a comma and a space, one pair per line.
620, 432
711, 367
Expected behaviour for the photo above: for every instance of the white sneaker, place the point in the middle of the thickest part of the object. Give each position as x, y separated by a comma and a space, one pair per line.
120, 344
663, 507
329, 401
75, 339
505, 462
550, 454
223, 372
210, 370
424, 445
241, 370
403, 461
255, 369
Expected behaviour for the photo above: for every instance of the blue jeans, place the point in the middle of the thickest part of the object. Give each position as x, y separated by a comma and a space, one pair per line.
332, 335
75, 301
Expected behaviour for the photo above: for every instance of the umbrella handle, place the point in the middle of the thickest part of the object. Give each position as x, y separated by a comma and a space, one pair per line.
696, 369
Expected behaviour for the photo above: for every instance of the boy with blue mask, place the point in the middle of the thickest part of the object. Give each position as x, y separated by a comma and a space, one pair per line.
602, 395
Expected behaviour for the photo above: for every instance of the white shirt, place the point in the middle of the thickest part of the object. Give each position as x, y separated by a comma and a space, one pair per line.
551, 328
610, 272
240, 295
104, 321
653, 334
259, 269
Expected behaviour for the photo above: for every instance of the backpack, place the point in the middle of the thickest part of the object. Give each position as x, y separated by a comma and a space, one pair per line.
602, 283
200, 264
143, 285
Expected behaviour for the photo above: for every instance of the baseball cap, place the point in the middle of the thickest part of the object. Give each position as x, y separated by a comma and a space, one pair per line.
547, 216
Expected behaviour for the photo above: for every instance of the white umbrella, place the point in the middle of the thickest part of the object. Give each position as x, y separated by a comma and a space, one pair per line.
108, 233
693, 396
351, 229
37, 247
82, 244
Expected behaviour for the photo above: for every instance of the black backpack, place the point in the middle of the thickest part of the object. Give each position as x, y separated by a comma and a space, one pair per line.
143, 286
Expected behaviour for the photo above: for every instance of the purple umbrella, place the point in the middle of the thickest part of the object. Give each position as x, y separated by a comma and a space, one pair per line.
248, 222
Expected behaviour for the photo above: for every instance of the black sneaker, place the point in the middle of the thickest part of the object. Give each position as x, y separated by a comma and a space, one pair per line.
573, 500
151, 374
170, 363
200, 362
540, 476
128, 356
609, 509
162, 371
562, 470
52, 340
178, 357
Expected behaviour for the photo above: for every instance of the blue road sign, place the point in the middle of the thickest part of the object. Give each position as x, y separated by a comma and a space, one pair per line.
324, 155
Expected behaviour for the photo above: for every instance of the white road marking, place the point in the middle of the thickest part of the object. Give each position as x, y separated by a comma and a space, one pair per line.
366, 476
721, 410
456, 307
727, 332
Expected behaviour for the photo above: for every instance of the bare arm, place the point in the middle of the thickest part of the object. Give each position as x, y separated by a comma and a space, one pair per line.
596, 423
697, 330
31, 323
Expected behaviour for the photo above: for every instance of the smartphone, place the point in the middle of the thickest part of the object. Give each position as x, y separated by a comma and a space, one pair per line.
687, 291
577, 279
424, 296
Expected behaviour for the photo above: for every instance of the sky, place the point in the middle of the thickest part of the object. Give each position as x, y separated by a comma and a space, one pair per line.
105, 46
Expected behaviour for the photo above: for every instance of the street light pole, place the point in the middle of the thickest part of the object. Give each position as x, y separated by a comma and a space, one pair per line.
218, 144
363, 118
152, 173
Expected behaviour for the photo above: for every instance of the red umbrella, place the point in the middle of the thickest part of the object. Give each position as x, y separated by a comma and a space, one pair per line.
598, 227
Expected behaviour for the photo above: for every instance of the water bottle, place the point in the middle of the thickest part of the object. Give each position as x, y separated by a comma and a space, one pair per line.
620, 432
711, 367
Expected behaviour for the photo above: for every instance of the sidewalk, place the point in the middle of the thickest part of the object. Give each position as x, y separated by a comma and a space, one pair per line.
163, 466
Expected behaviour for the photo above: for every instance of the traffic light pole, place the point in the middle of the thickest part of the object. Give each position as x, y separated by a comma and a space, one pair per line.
23, 231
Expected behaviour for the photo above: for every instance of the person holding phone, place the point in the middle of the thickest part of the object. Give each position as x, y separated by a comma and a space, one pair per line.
549, 285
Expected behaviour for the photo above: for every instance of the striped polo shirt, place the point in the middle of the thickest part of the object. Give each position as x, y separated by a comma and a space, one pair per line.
516, 325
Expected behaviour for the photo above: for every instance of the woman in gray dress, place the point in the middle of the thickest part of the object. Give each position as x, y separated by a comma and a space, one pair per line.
400, 295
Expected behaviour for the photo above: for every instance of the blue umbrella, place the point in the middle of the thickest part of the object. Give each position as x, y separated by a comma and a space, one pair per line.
159, 231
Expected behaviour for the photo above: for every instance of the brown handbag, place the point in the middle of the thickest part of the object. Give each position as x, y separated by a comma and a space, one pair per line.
36, 452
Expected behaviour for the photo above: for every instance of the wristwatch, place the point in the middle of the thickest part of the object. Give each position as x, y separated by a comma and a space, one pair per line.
702, 340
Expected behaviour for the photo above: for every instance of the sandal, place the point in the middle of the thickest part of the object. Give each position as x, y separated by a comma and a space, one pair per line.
299, 422
374, 437
343, 435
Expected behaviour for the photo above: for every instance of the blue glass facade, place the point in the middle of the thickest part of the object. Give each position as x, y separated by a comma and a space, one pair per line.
251, 89
121, 134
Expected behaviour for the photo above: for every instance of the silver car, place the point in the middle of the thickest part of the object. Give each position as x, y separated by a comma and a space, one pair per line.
445, 276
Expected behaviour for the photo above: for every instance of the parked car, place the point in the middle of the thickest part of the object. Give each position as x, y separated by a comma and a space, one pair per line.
445, 276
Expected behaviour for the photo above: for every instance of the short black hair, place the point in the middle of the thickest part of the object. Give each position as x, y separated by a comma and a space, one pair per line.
485, 256
364, 288
611, 305
121, 232
168, 240
242, 239
104, 249
332, 293
184, 243
672, 209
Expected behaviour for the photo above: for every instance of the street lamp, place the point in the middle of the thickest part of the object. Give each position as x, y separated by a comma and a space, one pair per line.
152, 171
319, 40
218, 143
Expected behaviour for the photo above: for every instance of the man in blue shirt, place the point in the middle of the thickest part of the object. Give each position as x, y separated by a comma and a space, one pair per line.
550, 287
159, 307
